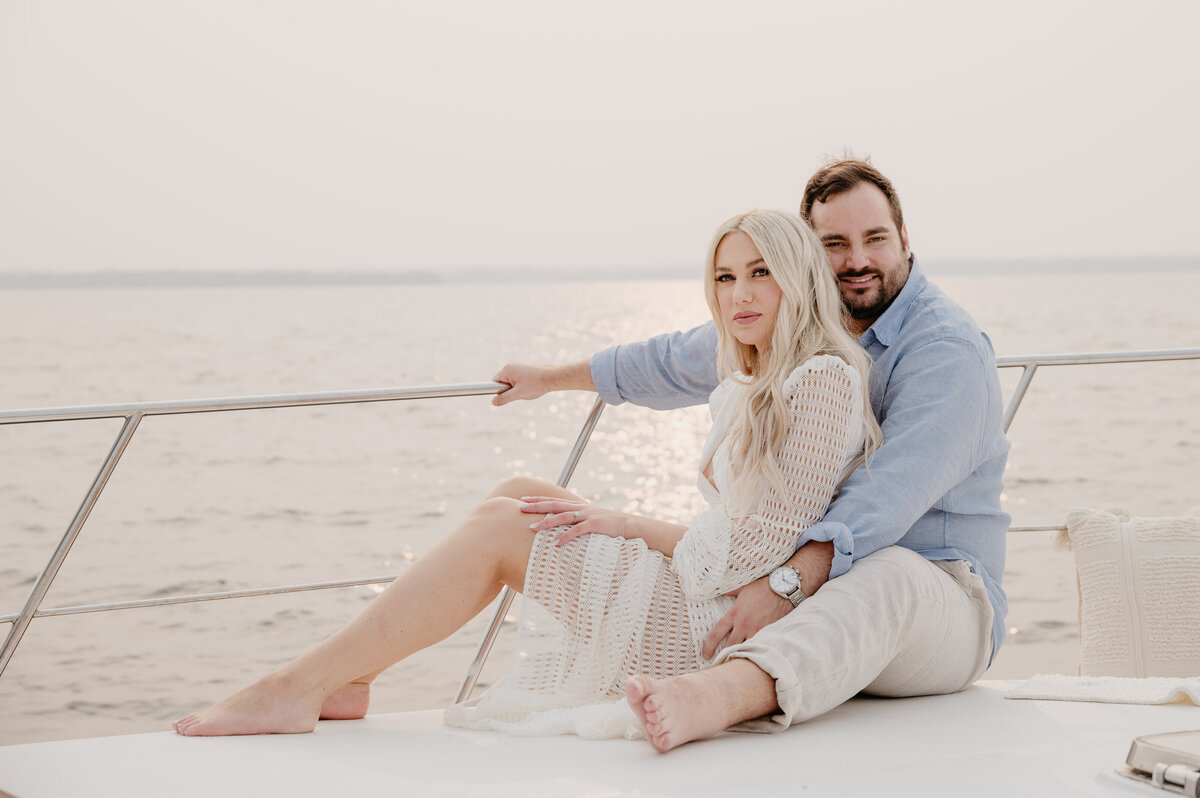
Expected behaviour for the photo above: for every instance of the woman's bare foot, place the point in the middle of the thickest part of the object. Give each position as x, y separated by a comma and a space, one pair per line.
674, 711
272, 705
348, 702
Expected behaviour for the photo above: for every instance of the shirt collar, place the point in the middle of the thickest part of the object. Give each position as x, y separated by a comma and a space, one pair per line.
887, 327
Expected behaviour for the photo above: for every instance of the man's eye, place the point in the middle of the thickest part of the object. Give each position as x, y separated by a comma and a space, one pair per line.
832, 244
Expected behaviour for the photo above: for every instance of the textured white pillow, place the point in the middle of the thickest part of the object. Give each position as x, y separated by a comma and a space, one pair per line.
1139, 593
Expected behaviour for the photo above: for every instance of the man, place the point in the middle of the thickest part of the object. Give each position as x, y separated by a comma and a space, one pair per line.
922, 610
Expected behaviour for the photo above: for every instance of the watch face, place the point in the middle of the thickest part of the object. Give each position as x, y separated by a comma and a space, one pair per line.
783, 581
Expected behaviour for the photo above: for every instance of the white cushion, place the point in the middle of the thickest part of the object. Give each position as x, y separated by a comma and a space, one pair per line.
1139, 593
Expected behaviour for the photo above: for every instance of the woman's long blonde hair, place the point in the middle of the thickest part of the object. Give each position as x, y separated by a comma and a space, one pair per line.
811, 321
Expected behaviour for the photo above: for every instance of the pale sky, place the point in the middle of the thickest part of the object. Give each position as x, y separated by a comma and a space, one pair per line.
245, 134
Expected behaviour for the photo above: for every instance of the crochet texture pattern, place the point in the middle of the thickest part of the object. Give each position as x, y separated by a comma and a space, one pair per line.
599, 608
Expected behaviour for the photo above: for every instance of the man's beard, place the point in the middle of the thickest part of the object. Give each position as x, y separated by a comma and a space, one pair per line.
880, 297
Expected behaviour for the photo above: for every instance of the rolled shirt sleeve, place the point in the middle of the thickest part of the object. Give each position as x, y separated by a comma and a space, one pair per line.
665, 372
934, 410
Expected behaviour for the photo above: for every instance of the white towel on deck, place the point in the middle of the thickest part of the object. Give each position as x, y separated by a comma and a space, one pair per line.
1110, 689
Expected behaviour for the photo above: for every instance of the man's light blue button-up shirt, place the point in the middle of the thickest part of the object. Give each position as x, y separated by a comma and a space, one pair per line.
934, 485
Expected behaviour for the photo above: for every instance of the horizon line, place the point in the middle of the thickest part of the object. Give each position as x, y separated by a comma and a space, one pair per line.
200, 277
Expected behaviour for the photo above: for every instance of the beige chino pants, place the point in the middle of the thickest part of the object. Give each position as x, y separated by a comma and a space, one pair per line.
894, 625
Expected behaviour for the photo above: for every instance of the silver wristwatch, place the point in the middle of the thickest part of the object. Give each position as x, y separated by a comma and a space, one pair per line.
785, 581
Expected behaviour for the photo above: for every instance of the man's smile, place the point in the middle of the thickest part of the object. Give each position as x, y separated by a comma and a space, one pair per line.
859, 280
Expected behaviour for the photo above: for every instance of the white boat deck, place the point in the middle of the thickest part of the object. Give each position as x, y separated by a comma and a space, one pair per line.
975, 743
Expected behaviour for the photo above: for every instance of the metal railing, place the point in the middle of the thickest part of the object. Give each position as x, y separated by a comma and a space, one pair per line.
134, 413
1029, 365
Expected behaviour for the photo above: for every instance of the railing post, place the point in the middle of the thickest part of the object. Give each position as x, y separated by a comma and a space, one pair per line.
1019, 394
44, 581
507, 595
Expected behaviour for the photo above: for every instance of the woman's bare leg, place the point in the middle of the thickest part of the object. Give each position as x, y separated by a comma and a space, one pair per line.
443, 590
351, 700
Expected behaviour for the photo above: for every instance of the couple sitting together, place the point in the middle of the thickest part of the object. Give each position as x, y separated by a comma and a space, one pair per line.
853, 541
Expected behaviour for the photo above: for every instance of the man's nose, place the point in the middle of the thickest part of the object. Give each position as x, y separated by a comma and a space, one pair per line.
857, 258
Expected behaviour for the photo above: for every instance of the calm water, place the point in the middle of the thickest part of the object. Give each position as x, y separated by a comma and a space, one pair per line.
225, 501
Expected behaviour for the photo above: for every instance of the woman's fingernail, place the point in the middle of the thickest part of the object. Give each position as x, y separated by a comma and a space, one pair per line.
525, 506
526, 498
534, 525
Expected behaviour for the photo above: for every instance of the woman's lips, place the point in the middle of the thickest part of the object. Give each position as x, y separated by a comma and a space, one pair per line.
747, 318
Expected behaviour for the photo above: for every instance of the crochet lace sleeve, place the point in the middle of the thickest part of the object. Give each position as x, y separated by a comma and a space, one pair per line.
719, 553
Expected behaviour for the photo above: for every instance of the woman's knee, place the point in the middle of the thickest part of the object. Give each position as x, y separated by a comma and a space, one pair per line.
500, 518
498, 511
518, 487
501, 532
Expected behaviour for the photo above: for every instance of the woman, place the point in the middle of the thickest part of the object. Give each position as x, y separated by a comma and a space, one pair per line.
634, 595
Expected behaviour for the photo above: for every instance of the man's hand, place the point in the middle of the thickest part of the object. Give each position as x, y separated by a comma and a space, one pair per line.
529, 381
755, 605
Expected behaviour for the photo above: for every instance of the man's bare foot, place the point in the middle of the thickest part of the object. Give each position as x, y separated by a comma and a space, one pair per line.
348, 702
675, 711
273, 705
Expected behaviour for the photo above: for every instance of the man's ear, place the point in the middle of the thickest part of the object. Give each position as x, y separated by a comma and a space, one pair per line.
904, 239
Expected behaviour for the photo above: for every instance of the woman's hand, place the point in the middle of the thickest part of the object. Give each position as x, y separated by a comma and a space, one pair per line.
580, 518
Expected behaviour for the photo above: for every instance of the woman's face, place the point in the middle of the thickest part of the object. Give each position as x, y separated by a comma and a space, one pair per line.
747, 295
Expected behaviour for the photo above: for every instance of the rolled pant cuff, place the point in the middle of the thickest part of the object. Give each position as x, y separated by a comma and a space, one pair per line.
787, 685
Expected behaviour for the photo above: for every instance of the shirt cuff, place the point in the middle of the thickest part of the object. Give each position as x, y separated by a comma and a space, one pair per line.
603, 366
843, 544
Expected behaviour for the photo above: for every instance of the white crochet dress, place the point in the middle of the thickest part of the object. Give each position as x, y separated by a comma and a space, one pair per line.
599, 608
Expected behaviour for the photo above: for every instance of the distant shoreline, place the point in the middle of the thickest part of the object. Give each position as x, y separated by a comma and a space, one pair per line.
301, 278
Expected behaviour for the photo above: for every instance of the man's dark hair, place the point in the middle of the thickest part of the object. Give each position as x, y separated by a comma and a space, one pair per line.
841, 176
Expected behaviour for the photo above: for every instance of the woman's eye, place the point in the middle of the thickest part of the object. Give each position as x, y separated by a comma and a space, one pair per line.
762, 272
724, 278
